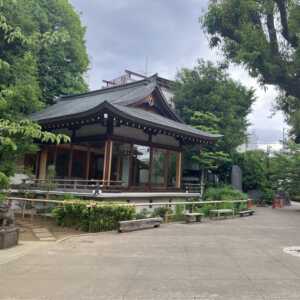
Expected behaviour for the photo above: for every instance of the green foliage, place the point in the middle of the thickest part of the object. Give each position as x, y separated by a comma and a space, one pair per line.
16, 139
285, 171
42, 55
211, 160
205, 208
43, 52
207, 98
179, 213
2, 196
92, 218
206, 122
222, 193
4, 181
161, 212
143, 214
262, 36
268, 195
254, 165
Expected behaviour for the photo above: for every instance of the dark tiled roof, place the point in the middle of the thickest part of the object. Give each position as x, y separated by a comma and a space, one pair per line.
72, 105
158, 120
119, 99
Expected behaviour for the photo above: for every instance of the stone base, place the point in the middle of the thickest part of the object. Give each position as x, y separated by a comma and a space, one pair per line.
9, 237
139, 224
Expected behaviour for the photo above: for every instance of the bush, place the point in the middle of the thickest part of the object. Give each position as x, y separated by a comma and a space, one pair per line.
4, 181
267, 196
206, 208
161, 212
225, 192
179, 213
94, 218
143, 214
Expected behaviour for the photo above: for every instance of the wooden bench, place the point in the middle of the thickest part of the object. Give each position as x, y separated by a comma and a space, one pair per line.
193, 217
220, 212
248, 212
125, 226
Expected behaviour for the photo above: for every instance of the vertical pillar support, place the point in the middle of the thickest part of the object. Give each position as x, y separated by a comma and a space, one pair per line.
37, 165
166, 168
55, 156
88, 163
43, 164
107, 161
131, 171
178, 170
70, 162
150, 169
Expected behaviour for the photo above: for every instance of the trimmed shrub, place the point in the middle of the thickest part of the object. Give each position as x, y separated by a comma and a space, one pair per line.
94, 218
206, 208
225, 192
179, 213
161, 212
143, 214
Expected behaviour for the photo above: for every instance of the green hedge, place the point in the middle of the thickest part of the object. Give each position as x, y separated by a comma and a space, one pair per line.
225, 192
94, 218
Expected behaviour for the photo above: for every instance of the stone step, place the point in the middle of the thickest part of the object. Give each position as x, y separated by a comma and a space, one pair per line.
43, 234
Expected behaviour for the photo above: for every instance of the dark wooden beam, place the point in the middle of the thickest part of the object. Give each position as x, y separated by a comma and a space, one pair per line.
88, 163
107, 161
70, 162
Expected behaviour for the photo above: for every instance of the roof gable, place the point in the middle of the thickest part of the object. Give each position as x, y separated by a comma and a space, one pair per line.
126, 95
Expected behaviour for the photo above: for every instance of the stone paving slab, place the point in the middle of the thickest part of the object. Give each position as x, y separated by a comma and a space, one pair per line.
43, 234
233, 259
22, 249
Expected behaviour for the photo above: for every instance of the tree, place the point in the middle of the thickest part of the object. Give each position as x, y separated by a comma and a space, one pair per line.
256, 170
16, 139
207, 89
208, 159
263, 36
42, 50
285, 171
254, 165
42, 55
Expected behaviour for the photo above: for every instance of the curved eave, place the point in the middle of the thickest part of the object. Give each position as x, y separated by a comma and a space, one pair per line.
106, 107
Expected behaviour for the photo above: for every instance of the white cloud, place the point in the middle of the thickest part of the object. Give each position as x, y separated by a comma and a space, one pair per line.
122, 34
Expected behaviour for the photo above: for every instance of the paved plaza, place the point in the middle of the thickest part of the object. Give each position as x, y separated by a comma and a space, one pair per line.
240, 258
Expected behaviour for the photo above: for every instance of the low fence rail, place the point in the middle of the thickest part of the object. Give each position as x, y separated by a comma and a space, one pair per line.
69, 185
43, 207
95, 186
32, 202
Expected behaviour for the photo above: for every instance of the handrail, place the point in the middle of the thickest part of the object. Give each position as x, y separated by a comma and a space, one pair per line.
98, 203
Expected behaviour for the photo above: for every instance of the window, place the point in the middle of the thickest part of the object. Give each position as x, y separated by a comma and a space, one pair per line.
140, 165
159, 166
120, 162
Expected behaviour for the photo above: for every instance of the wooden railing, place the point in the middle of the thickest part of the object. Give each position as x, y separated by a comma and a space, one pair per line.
69, 185
93, 186
33, 202
192, 187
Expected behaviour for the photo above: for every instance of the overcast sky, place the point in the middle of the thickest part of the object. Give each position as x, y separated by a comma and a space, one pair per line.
125, 34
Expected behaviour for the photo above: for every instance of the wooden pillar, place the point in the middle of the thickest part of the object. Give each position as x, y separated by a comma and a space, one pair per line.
119, 168
37, 165
55, 156
107, 161
130, 166
178, 169
166, 168
70, 162
88, 163
43, 164
150, 161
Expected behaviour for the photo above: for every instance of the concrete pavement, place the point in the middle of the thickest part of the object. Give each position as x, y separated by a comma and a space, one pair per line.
239, 258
